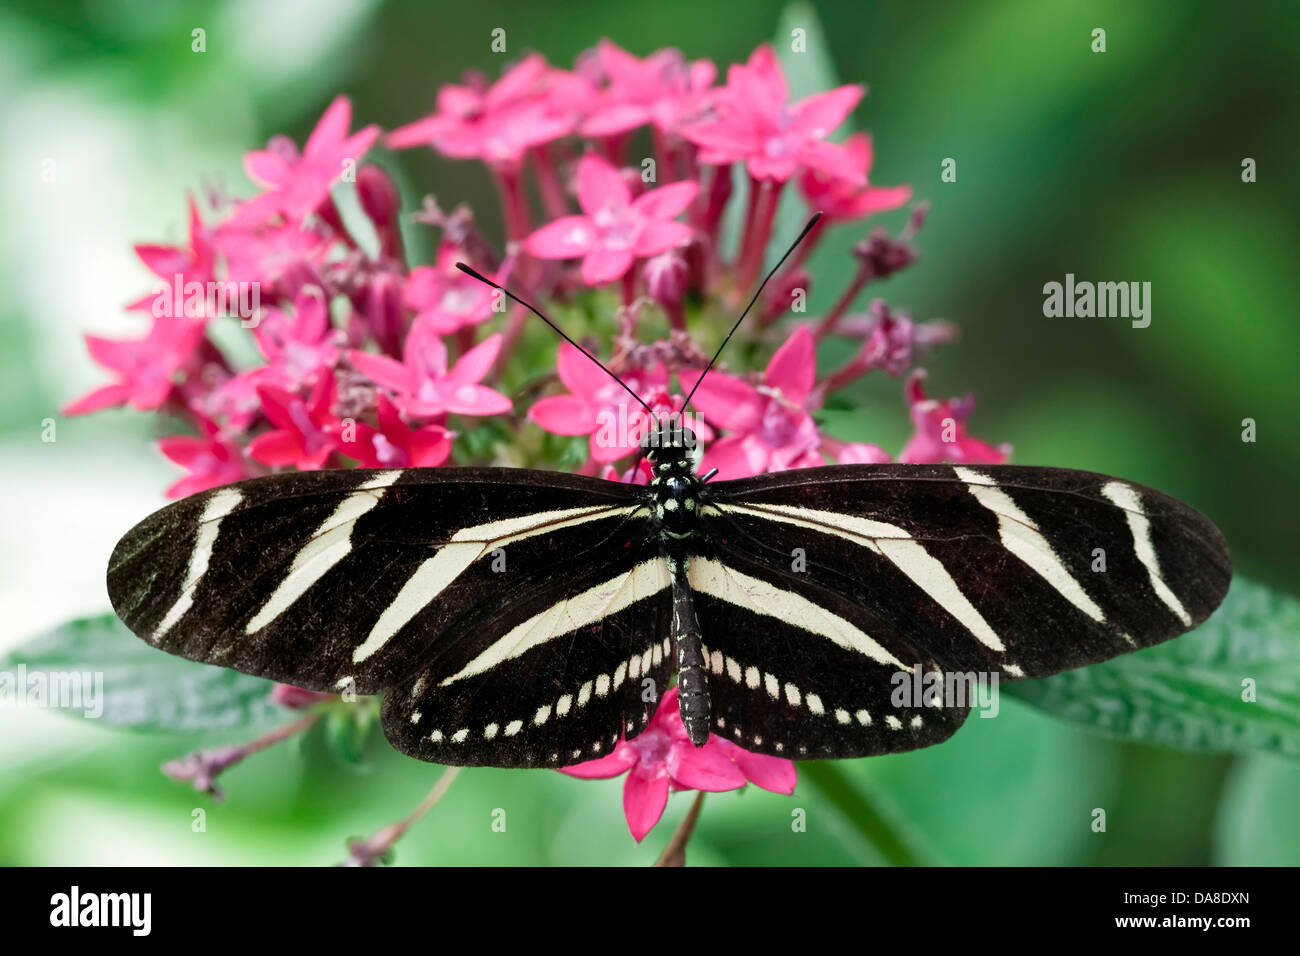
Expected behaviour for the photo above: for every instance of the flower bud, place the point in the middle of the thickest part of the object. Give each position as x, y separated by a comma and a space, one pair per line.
665, 277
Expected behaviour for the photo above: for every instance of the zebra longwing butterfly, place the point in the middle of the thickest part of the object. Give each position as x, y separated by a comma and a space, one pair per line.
516, 618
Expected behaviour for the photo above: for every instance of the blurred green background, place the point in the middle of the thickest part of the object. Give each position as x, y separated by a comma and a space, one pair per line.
1124, 165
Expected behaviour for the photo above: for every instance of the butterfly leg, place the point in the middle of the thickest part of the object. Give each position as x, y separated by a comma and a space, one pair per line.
692, 670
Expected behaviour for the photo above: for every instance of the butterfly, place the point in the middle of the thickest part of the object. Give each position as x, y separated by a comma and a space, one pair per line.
524, 618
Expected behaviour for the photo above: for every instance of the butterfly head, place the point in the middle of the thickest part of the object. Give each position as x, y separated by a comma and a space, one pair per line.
669, 443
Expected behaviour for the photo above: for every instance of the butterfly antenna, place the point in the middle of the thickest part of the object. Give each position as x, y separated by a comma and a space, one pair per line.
759, 291
559, 331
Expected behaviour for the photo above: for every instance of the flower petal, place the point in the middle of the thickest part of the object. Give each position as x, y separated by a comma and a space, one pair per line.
103, 397
477, 362
563, 415
724, 399
381, 370
666, 201
605, 265
600, 185
645, 795
602, 768
770, 773
332, 128
566, 238
735, 456
816, 116
793, 368
580, 374
657, 237
704, 768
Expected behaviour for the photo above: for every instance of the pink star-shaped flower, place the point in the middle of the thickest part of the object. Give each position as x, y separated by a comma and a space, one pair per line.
303, 432
422, 382
771, 427
662, 758
192, 263
298, 183
842, 199
615, 229
300, 347
394, 444
229, 399
661, 89
757, 124
940, 434
264, 254
598, 406
211, 459
145, 368
445, 298
497, 125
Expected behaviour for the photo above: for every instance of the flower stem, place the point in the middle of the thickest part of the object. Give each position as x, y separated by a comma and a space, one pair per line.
769, 197
675, 853
367, 852
548, 183
827, 325
512, 201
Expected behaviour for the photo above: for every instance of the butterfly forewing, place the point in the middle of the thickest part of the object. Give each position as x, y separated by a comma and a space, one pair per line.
1019, 570
358, 579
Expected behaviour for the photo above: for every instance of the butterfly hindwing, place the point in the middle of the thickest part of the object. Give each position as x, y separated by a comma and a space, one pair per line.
1018, 570
798, 671
559, 673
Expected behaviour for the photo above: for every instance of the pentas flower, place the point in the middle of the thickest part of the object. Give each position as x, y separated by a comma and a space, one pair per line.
230, 399
425, 386
941, 431
298, 347
446, 299
770, 425
662, 758
145, 368
303, 432
843, 199
298, 184
394, 444
497, 125
598, 406
211, 459
661, 89
615, 229
265, 254
757, 125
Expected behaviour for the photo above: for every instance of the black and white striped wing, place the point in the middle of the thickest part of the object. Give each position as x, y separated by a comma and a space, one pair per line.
800, 670
1021, 571
458, 592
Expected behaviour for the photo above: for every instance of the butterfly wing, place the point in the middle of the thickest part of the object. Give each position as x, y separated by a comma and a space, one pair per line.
515, 583
1018, 571
800, 671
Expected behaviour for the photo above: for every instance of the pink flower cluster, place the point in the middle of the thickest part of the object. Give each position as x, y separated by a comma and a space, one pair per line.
616, 173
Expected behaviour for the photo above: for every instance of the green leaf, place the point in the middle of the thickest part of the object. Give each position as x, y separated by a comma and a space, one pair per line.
137, 687
1188, 693
1257, 823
